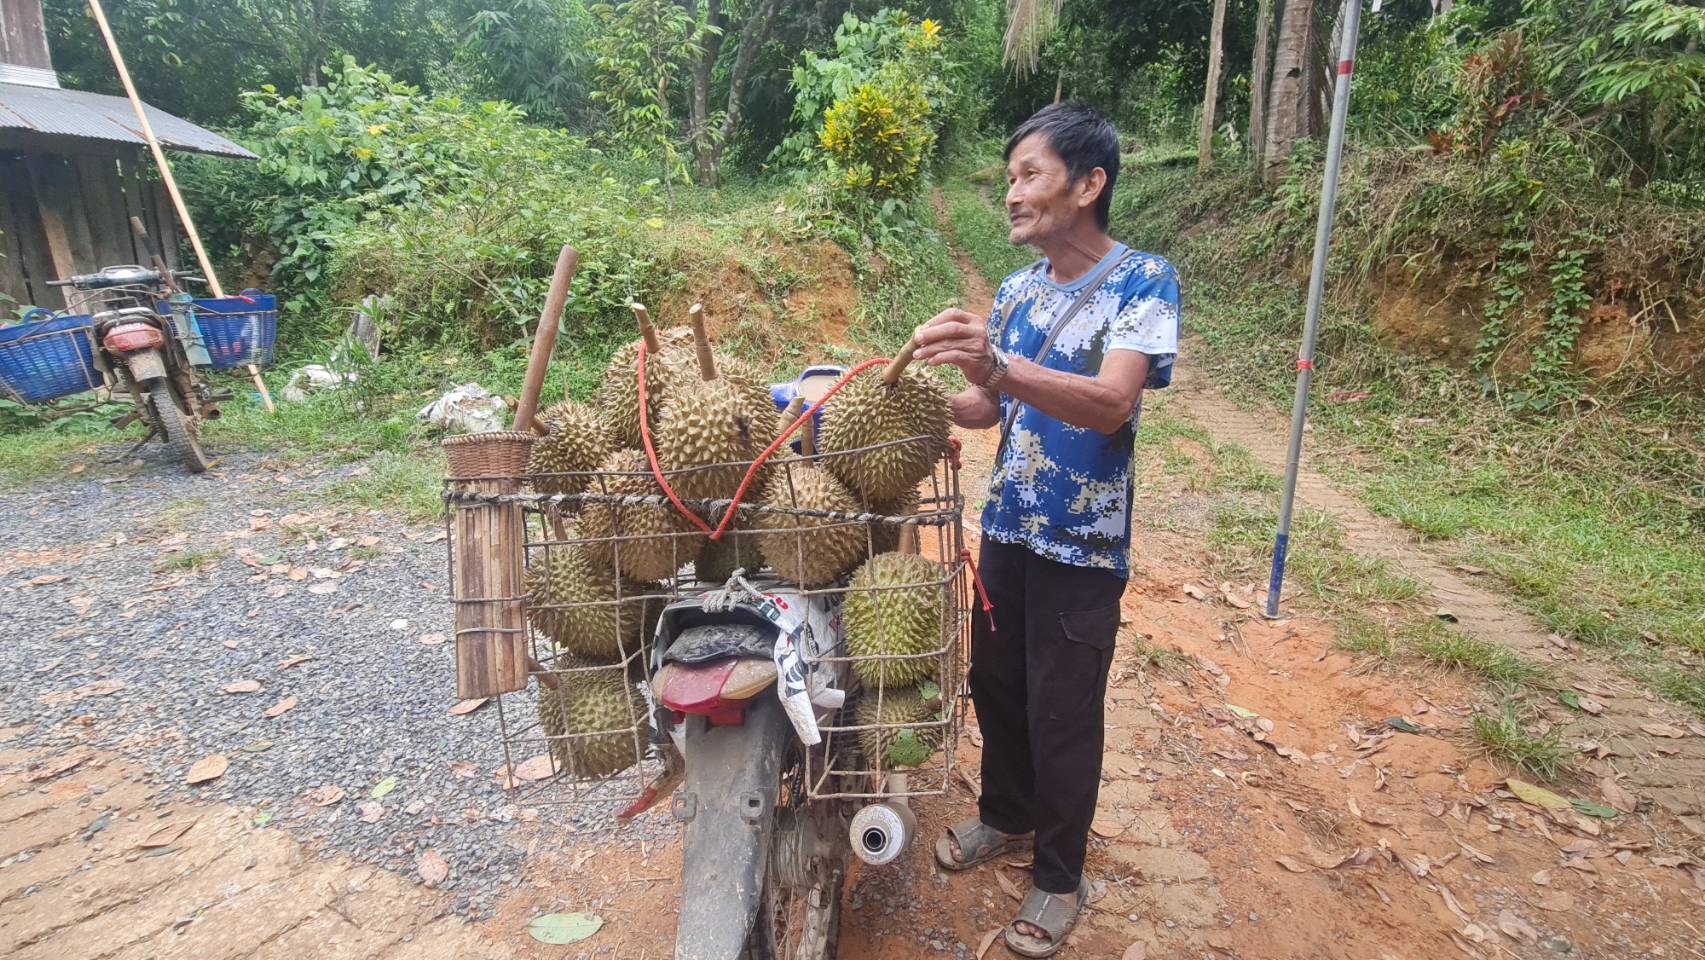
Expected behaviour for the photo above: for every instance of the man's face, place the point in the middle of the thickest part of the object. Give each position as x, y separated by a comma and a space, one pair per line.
1042, 201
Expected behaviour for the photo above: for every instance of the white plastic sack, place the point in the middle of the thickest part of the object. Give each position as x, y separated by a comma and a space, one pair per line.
313, 378
467, 409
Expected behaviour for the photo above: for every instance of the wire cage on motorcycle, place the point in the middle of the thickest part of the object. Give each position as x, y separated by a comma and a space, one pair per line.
581, 731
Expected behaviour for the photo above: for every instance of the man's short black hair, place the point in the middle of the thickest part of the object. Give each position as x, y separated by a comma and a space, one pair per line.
1084, 138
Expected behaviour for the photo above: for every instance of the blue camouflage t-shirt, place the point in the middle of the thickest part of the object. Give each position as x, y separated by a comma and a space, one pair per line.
1062, 491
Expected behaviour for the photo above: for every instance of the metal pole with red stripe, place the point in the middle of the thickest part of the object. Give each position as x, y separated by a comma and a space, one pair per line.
1316, 293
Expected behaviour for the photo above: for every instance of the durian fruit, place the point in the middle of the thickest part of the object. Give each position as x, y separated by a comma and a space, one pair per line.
578, 441
724, 418
594, 721
885, 537
899, 405
904, 620
668, 362
822, 549
720, 558
887, 747
594, 626
650, 549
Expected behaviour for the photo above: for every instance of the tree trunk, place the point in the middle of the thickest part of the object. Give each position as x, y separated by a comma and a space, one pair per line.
698, 128
753, 36
1258, 86
1211, 96
1288, 103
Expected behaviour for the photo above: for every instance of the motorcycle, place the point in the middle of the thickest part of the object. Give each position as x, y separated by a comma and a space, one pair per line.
764, 864
152, 357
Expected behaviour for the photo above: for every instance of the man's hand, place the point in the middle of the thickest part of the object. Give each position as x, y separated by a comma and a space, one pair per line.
959, 338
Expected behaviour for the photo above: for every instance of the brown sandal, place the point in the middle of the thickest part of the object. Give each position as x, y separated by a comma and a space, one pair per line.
978, 843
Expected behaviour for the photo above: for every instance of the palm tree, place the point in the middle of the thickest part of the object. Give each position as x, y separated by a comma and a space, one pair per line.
1028, 25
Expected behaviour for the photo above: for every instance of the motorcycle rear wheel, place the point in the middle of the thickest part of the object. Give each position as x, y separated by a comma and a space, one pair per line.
175, 427
798, 924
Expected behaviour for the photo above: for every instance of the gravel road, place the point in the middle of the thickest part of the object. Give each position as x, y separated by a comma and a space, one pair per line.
133, 598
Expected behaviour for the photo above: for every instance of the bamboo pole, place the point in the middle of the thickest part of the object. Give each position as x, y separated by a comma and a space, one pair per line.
544, 337
166, 176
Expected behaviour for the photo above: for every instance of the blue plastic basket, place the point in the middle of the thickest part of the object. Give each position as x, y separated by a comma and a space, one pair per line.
238, 330
44, 360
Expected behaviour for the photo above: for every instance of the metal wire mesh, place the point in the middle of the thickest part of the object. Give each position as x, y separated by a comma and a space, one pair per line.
601, 640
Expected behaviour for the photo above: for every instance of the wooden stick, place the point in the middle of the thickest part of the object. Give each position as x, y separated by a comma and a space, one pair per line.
544, 338
171, 182
707, 363
647, 332
891, 375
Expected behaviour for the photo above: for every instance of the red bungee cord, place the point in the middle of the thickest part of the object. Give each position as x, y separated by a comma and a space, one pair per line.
752, 471
758, 462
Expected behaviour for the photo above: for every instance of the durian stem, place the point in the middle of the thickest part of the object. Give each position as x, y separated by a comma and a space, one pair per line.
647, 332
891, 375
808, 438
546, 677
707, 363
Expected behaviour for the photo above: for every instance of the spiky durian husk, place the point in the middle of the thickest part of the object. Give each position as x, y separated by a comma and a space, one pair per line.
720, 558
579, 440
671, 366
649, 549
904, 620
729, 420
885, 537
593, 722
900, 705
868, 412
822, 549
568, 601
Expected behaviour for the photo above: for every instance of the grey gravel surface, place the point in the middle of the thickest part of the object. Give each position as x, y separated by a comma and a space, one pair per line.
282, 574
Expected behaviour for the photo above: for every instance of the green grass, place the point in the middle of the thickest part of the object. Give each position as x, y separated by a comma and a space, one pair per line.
1440, 644
1507, 741
409, 484
1362, 636
1589, 519
188, 560
977, 226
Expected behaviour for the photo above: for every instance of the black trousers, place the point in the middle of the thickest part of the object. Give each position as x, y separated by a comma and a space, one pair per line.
1039, 681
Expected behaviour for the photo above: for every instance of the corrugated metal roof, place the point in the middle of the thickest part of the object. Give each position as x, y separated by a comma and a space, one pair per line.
79, 113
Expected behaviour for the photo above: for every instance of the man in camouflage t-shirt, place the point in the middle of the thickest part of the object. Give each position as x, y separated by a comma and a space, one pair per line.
1059, 365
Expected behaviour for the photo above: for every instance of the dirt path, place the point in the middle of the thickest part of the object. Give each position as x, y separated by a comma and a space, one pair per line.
96, 863
1668, 771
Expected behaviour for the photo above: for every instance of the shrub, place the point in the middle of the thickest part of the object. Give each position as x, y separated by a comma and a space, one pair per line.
877, 138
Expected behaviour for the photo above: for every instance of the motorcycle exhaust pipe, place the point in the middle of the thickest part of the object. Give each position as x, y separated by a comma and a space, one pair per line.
881, 832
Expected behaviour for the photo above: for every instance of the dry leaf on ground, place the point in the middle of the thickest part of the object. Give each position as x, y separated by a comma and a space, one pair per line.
1617, 796
98, 688
1106, 827
210, 767
1663, 730
464, 707
1537, 796
323, 588
1291, 865
988, 941
1007, 886
433, 868
281, 707
1516, 928
535, 768
241, 686
166, 835
58, 765
292, 661
326, 794
371, 811
432, 639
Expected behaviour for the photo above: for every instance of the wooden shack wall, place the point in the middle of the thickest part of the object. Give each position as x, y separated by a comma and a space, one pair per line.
69, 212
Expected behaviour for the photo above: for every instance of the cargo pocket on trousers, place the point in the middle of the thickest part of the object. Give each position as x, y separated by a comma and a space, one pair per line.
1090, 635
